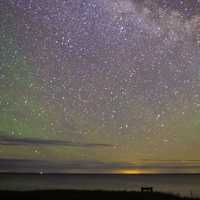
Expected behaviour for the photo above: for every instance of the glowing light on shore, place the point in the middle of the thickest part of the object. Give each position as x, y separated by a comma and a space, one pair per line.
136, 171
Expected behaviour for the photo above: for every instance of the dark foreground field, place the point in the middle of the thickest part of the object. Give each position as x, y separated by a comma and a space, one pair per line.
87, 195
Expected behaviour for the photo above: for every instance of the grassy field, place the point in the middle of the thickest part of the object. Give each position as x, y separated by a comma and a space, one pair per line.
87, 195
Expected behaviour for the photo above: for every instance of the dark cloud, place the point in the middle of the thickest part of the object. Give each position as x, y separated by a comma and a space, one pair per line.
7, 140
24, 165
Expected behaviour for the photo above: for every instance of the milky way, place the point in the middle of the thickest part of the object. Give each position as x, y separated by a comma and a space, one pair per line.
120, 75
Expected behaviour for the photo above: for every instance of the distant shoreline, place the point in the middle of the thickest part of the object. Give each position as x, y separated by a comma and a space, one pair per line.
44, 173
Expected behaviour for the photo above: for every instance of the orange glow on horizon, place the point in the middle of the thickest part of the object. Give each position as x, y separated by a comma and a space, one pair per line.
135, 171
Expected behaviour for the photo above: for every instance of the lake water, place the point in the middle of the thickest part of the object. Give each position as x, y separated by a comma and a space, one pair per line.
185, 185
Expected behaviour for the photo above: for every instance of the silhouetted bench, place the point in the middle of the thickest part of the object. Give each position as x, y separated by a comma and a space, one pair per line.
146, 189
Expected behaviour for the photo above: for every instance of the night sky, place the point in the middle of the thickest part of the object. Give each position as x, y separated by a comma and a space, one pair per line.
100, 86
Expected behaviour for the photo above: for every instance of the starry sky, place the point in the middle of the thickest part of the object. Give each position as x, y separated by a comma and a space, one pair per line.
100, 86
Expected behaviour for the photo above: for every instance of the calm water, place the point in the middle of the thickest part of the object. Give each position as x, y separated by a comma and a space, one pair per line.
178, 184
